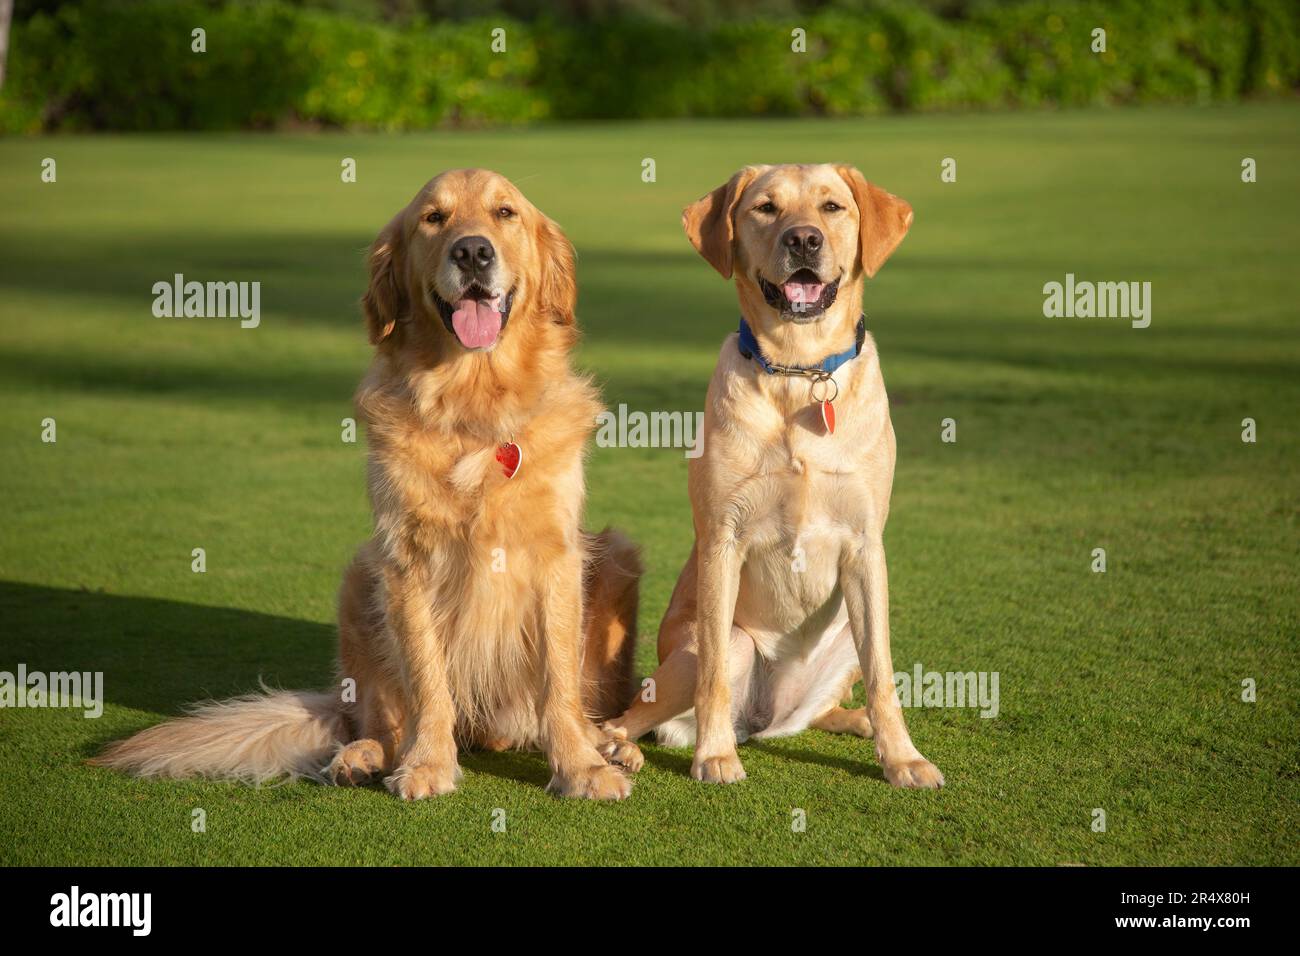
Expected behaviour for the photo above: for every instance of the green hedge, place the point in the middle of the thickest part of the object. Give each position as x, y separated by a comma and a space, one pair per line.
127, 64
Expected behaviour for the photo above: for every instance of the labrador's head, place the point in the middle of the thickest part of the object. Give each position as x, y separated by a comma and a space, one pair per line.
469, 253
795, 235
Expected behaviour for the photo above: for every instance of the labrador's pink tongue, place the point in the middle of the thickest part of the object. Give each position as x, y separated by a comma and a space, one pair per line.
477, 323
807, 293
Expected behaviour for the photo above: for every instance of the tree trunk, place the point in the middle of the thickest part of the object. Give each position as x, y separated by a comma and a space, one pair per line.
6, 15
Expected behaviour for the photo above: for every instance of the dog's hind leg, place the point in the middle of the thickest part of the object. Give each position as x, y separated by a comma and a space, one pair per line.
840, 720
667, 700
611, 574
356, 763
373, 752
373, 720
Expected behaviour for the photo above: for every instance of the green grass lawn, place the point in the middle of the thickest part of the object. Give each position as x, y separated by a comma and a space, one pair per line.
1119, 691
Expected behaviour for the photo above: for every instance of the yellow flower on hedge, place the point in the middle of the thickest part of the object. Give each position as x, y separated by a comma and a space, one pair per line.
1055, 23
357, 59
877, 41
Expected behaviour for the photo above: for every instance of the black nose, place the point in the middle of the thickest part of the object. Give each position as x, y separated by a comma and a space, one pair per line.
802, 240
472, 253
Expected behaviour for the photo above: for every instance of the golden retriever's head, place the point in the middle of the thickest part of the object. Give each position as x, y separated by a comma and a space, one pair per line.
796, 235
468, 254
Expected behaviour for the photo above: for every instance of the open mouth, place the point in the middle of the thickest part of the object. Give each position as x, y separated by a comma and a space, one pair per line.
802, 295
477, 317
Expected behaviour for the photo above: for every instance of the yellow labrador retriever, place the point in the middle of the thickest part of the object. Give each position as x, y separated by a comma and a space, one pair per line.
783, 603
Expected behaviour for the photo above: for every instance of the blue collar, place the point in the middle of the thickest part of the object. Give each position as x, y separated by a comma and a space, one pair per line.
748, 345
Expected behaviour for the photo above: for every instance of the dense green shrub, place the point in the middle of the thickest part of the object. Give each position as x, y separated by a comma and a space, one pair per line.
127, 64
117, 65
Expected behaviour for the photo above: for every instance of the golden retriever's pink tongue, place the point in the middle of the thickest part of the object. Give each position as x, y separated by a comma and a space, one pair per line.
477, 322
803, 292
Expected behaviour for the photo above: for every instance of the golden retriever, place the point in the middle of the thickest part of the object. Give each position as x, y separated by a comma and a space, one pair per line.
478, 614
783, 603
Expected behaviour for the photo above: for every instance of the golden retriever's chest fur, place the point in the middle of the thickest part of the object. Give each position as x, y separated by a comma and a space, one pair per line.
482, 541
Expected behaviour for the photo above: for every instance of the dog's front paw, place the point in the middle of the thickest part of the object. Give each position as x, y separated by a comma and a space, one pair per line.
417, 781
915, 774
356, 763
617, 749
724, 769
601, 782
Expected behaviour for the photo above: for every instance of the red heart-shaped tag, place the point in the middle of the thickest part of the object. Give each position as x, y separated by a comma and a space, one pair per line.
511, 457
828, 417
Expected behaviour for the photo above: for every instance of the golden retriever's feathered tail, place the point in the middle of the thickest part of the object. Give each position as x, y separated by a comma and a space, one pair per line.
254, 738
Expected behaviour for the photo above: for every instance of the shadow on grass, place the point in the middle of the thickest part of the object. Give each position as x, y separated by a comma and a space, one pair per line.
158, 655
133, 376
647, 298
633, 299
155, 654
316, 279
677, 760
319, 279
526, 767
864, 767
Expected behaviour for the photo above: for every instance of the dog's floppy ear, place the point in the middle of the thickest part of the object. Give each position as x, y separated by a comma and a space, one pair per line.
883, 220
557, 285
710, 222
385, 300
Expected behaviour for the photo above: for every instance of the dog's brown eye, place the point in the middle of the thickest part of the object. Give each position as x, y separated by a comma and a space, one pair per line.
832, 206
436, 218
505, 212
767, 207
